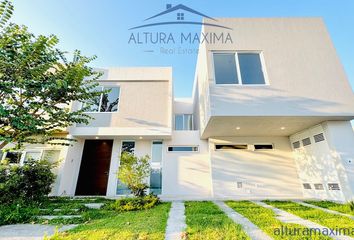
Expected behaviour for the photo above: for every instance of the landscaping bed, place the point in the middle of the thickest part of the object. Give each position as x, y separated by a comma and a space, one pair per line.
142, 224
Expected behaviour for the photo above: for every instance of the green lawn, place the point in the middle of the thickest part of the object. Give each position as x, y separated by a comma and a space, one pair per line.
266, 220
110, 225
343, 208
315, 215
205, 221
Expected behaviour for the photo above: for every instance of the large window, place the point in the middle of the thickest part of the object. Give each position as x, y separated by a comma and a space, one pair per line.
238, 68
106, 102
184, 122
129, 147
156, 152
155, 181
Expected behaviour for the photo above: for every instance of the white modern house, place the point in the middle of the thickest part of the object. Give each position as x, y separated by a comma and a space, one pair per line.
269, 118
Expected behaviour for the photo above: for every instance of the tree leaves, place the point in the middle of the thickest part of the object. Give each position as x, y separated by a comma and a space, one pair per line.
6, 11
38, 85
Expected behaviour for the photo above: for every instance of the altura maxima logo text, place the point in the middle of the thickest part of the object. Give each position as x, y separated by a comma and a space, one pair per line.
178, 15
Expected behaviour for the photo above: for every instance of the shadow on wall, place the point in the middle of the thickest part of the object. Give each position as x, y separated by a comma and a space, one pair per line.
317, 167
261, 174
262, 101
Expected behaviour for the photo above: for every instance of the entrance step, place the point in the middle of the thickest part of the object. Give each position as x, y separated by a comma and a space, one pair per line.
50, 217
94, 205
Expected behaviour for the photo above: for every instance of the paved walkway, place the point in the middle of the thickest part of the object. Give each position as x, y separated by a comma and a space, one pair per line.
176, 223
291, 218
29, 231
251, 229
324, 209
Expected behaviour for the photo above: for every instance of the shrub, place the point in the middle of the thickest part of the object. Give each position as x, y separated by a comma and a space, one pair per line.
28, 183
17, 213
351, 205
134, 203
133, 172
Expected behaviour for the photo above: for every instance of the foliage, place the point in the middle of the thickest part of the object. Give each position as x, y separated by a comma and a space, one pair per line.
351, 206
28, 183
6, 10
133, 204
37, 86
17, 213
267, 220
206, 221
111, 225
133, 172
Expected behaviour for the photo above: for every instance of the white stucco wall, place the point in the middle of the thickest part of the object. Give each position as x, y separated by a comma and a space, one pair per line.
145, 104
263, 173
328, 161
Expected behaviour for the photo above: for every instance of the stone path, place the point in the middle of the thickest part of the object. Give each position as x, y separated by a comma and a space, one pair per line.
324, 209
50, 217
29, 231
291, 218
176, 223
251, 229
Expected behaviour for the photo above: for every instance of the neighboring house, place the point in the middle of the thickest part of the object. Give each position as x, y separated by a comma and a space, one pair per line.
269, 118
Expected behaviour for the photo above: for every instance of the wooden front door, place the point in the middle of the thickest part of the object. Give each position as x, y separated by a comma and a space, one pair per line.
94, 169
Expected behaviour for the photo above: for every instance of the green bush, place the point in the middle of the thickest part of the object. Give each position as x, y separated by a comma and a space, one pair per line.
133, 203
17, 213
26, 184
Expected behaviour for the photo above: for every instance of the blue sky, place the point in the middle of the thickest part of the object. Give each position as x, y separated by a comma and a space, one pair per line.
101, 28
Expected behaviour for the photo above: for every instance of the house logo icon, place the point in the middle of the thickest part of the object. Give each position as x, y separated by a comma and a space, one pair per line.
180, 17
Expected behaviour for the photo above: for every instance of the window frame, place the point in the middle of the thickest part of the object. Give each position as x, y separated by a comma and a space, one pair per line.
183, 114
101, 96
238, 70
25, 151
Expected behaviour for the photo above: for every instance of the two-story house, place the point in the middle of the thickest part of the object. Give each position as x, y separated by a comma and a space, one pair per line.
269, 118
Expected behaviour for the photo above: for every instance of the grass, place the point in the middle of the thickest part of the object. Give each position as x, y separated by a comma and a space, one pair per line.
266, 220
206, 221
109, 225
343, 208
315, 215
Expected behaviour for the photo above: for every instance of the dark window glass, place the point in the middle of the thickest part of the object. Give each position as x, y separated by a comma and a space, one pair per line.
296, 144
182, 149
225, 68
319, 137
263, 146
318, 186
155, 181
251, 68
13, 157
128, 147
306, 141
109, 102
232, 147
306, 186
333, 186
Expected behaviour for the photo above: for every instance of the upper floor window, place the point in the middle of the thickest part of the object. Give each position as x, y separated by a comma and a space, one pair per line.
106, 102
184, 122
238, 68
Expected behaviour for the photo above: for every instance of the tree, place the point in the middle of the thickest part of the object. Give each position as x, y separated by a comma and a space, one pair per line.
133, 172
37, 86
